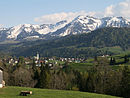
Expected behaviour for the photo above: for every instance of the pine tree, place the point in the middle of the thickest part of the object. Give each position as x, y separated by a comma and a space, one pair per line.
95, 58
34, 65
125, 83
44, 79
126, 59
21, 62
114, 61
111, 61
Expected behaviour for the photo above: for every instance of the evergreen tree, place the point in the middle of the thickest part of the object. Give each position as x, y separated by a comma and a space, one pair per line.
20, 62
34, 65
95, 58
111, 61
126, 59
44, 79
114, 61
125, 83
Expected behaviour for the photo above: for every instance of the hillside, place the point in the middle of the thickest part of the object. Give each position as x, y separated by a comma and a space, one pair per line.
13, 92
98, 42
101, 41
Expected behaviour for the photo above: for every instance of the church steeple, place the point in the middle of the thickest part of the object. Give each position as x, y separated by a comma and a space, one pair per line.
37, 57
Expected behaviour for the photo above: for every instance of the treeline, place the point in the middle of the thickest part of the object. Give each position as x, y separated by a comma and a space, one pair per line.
100, 78
114, 62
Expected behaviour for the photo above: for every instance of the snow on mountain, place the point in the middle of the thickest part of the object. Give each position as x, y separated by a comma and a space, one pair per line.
47, 28
81, 24
115, 22
44, 29
88, 21
85, 24
14, 31
3, 29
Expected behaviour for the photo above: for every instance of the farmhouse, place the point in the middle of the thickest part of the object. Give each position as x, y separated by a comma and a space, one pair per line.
1, 77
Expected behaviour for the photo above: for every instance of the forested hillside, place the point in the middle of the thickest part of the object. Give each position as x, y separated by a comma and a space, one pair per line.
98, 42
91, 44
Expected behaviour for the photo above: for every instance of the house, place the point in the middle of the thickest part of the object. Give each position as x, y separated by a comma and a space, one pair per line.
1, 77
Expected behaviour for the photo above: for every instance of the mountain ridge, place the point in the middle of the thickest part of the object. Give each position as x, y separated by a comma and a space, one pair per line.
81, 24
98, 42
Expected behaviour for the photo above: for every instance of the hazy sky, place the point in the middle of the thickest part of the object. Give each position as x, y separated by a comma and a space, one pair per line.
14, 12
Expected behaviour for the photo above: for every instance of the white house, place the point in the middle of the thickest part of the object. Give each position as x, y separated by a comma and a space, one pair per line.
1, 77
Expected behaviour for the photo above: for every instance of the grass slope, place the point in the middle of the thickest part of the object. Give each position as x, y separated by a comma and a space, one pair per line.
13, 92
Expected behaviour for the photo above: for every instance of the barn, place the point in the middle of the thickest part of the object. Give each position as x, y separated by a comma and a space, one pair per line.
1, 77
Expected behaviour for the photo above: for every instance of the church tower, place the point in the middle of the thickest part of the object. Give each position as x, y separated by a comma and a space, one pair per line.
37, 57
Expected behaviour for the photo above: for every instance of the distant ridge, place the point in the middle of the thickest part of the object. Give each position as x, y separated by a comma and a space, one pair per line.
81, 24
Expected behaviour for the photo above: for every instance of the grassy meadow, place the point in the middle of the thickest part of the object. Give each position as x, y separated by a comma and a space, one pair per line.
13, 92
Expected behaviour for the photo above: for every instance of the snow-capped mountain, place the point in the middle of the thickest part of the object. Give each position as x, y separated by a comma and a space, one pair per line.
32, 31
81, 24
85, 24
115, 22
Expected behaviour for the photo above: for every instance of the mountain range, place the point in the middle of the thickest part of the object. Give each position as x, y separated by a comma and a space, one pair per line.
79, 25
103, 41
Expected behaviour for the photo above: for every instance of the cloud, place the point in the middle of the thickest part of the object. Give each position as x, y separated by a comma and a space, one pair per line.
108, 11
53, 18
120, 9
1, 25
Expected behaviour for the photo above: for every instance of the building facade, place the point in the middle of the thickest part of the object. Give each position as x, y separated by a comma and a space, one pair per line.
1, 77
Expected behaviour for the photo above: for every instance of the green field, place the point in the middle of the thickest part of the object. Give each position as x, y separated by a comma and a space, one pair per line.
13, 92
81, 66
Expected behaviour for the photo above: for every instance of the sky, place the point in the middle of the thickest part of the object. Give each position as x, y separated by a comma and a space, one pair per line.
15, 12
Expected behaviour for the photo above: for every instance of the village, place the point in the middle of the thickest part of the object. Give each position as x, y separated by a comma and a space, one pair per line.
53, 61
